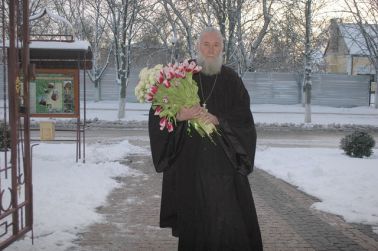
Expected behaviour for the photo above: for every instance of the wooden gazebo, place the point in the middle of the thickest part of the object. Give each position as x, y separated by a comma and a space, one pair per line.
54, 90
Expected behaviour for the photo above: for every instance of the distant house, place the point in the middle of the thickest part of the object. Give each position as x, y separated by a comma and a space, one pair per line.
346, 51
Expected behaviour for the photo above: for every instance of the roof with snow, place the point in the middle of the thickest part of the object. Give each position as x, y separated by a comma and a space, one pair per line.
57, 50
354, 39
60, 54
80, 45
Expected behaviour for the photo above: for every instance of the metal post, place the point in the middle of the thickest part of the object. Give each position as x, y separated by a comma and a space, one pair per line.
85, 104
26, 104
13, 111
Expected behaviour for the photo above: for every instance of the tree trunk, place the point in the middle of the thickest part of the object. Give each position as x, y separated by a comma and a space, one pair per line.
121, 108
308, 97
307, 77
376, 89
97, 90
122, 97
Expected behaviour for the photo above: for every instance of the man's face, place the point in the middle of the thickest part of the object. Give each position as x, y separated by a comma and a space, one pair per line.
210, 46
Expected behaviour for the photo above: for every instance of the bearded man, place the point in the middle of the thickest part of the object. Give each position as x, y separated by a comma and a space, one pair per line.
206, 196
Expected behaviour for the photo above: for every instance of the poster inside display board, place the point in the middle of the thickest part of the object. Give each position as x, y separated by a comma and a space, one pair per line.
55, 93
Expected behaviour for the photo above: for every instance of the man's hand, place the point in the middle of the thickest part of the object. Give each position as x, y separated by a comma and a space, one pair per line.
196, 112
207, 117
189, 113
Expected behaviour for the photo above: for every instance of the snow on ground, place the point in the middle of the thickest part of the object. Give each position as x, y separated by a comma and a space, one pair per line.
66, 193
346, 186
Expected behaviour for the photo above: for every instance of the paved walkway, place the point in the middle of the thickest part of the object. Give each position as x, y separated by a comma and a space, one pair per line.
287, 221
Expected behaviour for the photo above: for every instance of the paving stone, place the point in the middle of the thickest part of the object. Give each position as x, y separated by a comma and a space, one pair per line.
287, 221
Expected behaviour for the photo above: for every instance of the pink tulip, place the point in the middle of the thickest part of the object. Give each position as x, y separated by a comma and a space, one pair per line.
169, 72
158, 110
185, 63
169, 126
181, 68
180, 74
162, 123
154, 89
160, 77
197, 69
149, 97
166, 83
191, 67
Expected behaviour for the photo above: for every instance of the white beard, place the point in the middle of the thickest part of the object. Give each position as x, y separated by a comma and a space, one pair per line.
210, 66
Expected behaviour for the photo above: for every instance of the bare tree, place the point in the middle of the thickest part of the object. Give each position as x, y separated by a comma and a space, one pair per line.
259, 34
284, 44
365, 15
89, 21
94, 20
308, 62
122, 22
153, 21
238, 21
43, 21
249, 55
228, 16
251, 43
178, 9
174, 56
71, 11
225, 15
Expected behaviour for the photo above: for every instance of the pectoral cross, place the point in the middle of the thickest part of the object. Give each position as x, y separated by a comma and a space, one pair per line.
204, 105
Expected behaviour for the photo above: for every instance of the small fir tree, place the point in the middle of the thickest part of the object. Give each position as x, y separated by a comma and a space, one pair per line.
358, 144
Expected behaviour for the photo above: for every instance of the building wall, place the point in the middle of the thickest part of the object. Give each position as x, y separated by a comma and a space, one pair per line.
338, 58
336, 64
362, 65
346, 64
336, 54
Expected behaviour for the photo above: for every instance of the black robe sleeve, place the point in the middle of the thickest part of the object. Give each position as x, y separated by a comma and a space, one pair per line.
237, 129
165, 145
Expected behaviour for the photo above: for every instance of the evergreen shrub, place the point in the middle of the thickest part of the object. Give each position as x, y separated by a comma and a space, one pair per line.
358, 144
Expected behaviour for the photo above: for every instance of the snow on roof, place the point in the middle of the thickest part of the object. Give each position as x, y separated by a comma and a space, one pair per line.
79, 45
75, 45
354, 39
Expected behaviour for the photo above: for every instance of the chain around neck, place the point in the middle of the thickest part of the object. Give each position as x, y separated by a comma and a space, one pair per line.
211, 91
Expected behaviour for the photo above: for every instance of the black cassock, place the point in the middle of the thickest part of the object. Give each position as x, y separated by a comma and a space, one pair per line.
206, 196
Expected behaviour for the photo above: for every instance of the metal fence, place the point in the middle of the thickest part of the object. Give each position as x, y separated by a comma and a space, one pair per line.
335, 90
273, 88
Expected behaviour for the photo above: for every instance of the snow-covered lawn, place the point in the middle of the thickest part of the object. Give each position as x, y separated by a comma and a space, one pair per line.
66, 193
346, 186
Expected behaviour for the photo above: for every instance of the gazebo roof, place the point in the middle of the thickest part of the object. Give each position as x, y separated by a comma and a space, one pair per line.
60, 54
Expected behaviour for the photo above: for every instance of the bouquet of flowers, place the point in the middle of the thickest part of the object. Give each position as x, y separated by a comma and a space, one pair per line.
169, 88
